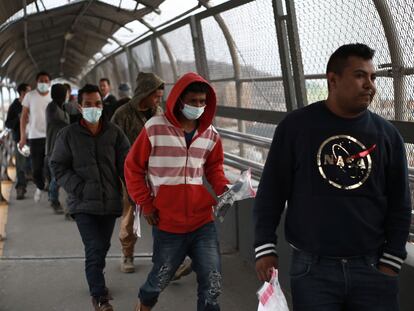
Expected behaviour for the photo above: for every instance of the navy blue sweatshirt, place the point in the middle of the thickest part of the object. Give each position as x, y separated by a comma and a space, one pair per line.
345, 182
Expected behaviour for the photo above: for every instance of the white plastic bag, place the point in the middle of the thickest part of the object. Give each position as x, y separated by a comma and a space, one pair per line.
137, 221
240, 190
271, 297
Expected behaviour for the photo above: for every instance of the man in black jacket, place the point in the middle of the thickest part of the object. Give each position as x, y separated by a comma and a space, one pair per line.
88, 162
56, 119
109, 101
13, 123
343, 172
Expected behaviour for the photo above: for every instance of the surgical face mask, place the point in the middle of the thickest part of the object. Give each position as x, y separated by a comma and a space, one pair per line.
92, 114
43, 87
191, 112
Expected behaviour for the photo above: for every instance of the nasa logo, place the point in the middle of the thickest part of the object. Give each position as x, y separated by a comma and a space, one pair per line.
344, 161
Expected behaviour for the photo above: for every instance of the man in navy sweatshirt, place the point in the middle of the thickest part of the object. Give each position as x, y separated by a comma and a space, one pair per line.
342, 171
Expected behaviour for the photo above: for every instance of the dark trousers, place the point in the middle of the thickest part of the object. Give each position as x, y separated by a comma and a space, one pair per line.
20, 170
170, 249
96, 232
37, 152
341, 284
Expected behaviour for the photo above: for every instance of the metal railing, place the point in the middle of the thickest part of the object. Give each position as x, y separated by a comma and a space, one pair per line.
257, 168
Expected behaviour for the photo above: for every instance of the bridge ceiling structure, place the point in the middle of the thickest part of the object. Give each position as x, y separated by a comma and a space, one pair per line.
60, 40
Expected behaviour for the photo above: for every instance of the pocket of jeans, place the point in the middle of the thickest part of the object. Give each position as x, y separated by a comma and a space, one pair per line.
375, 269
299, 269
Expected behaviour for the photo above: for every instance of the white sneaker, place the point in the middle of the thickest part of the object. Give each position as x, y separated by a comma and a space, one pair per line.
37, 195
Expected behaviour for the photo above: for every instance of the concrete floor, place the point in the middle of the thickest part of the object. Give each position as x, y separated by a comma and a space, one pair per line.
42, 268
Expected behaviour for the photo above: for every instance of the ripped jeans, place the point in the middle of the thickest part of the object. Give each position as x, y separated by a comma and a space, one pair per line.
170, 249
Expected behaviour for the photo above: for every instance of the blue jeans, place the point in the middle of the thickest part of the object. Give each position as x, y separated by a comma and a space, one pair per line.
53, 190
96, 232
341, 284
170, 249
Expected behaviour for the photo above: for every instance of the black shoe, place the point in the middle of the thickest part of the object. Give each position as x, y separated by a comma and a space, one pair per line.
101, 304
57, 207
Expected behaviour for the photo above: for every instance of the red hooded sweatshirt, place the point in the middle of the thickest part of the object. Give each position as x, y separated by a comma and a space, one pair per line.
162, 173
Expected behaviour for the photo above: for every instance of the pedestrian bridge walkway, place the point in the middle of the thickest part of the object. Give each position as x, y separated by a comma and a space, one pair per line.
43, 261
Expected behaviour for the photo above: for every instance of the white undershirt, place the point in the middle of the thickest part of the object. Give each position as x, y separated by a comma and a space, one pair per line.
37, 113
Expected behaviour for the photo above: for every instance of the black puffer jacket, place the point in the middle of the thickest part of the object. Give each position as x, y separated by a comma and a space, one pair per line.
90, 168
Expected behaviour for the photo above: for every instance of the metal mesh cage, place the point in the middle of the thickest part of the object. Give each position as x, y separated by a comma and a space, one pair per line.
254, 153
253, 30
143, 57
122, 68
219, 61
180, 44
264, 95
343, 22
226, 93
402, 14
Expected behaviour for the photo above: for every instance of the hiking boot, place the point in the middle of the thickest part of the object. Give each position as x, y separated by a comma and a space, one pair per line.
20, 193
57, 207
37, 195
101, 304
141, 307
127, 264
183, 270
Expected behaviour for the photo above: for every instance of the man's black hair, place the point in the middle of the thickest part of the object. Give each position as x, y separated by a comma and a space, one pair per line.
87, 88
196, 87
58, 92
67, 85
106, 80
22, 88
338, 60
43, 73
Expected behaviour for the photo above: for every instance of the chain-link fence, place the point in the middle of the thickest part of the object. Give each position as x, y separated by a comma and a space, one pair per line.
259, 54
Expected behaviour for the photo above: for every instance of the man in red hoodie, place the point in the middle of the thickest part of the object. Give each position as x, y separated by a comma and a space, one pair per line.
173, 152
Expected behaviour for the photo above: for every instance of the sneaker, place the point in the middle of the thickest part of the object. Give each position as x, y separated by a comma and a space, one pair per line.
37, 195
20, 193
127, 264
184, 269
57, 207
101, 304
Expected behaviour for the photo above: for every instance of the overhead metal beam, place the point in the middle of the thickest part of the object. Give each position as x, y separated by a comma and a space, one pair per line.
26, 42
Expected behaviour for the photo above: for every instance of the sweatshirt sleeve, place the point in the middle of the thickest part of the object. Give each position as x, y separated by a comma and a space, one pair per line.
273, 191
214, 169
398, 215
135, 168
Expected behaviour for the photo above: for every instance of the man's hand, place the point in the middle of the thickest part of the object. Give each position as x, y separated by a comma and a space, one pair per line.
264, 267
386, 270
22, 142
152, 218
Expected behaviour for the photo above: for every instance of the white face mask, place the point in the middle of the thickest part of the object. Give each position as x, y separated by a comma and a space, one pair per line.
43, 87
191, 112
92, 114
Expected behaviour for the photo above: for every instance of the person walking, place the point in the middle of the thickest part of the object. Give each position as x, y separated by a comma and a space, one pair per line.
342, 170
88, 162
34, 105
13, 123
173, 152
131, 118
56, 119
